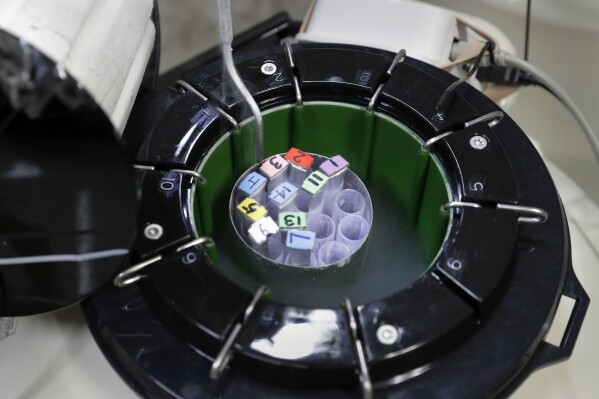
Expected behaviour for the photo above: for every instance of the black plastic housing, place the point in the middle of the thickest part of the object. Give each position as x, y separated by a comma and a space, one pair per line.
468, 333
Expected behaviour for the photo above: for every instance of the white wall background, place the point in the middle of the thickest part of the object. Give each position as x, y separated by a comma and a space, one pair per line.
564, 42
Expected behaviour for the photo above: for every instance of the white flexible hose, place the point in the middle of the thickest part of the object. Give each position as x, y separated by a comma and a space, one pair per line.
24, 260
511, 60
226, 37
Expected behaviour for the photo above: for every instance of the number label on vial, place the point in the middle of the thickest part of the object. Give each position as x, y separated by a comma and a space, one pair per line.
315, 182
273, 166
282, 194
299, 158
251, 209
252, 183
292, 220
335, 165
262, 229
300, 239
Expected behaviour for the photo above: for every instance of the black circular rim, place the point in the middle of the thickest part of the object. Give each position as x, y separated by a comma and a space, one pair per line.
470, 305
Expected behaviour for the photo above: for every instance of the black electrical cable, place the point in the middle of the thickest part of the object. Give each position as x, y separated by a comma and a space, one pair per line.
513, 71
550, 85
508, 76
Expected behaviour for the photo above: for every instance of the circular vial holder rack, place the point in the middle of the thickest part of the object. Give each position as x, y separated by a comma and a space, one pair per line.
301, 210
450, 295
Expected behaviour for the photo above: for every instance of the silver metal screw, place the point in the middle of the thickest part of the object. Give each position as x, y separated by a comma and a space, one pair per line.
268, 68
153, 231
387, 334
478, 142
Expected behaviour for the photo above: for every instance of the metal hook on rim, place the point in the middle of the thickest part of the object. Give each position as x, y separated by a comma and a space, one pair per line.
143, 167
449, 90
538, 215
375, 97
299, 101
191, 89
427, 145
365, 381
197, 241
399, 57
205, 99
225, 353
492, 119
459, 204
132, 274
194, 175
289, 54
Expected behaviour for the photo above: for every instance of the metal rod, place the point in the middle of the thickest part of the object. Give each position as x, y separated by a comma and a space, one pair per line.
460, 204
487, 47
225, 353
492, 119
289, 54
399, 57
192, 89
226, 34
299, 101
365, 381
132, 274
195, 175
143, 167
537, 215
224, 356
375, 97
197, 241
228, 117
205, 99
427, 145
